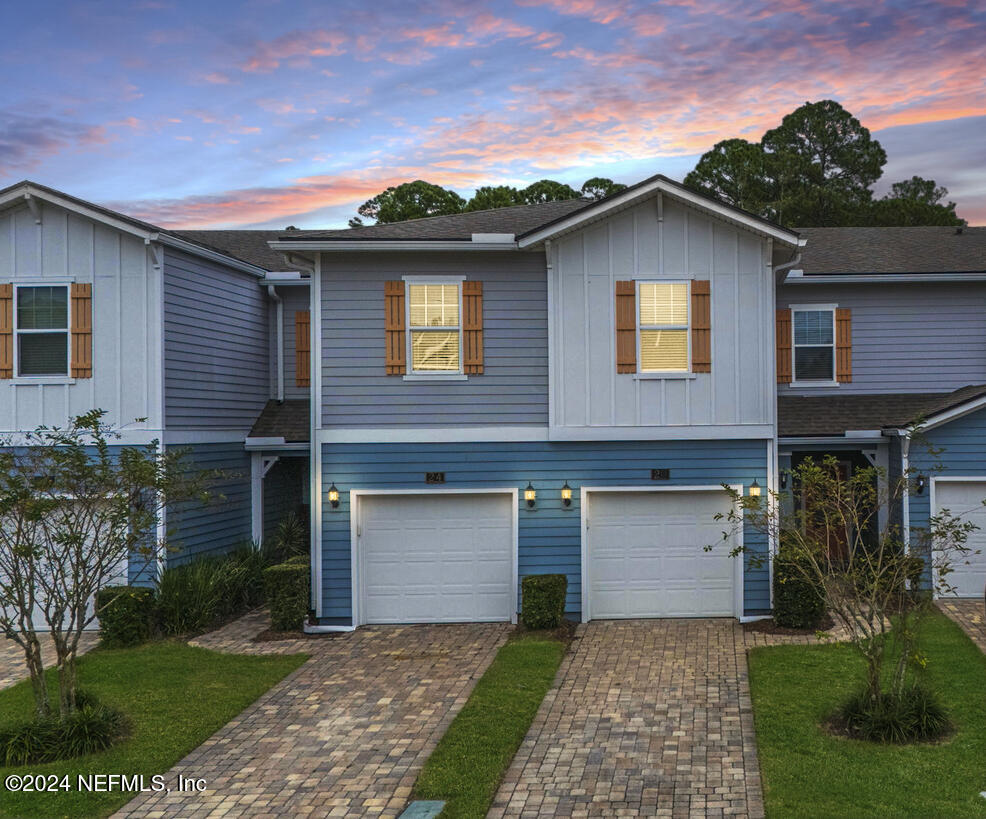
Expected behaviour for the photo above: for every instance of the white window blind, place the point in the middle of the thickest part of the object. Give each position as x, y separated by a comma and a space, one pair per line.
433, 316
663, 326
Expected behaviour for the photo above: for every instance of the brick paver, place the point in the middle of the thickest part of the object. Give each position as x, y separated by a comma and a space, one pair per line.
969, 614
344, 735
12, 668
647, 718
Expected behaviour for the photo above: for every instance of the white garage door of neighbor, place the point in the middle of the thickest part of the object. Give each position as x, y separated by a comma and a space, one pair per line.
645, 555
965, 499
436, 559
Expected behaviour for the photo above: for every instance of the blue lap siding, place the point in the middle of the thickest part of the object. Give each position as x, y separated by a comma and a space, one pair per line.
550, 536
955, 449
203, 530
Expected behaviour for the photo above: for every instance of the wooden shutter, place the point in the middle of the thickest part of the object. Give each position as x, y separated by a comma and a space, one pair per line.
394, 331
701, 327
626, 327
783, 333
6, 331
843, 345
81, 330
472, 327
302, 348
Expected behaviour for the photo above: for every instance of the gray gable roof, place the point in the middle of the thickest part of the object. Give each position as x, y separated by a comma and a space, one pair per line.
288, 419
815, 415
458, 226
246, 245
863, 250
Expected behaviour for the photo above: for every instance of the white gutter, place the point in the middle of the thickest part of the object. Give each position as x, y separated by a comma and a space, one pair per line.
272, 293
349, 245
876, 278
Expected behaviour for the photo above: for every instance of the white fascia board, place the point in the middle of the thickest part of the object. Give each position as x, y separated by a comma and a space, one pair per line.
24, 191
402, 245
205, 253
662, 433
286, 282
631, 197
886, 278
950, 415
828, 440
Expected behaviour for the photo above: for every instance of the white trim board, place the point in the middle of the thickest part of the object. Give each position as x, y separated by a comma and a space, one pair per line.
423, 435
739, 569
354, 521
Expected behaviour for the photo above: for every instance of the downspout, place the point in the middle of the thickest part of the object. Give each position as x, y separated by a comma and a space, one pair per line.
905, 465
272, 292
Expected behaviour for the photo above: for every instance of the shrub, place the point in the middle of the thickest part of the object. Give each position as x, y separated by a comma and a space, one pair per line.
799, 599
91, 728
199, 595
289, 540
543, 600
914, 715
126, 615
286, 588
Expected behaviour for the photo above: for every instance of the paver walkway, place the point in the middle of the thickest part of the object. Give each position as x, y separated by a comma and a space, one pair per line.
970, 615
344, 735
12, 668
647, 718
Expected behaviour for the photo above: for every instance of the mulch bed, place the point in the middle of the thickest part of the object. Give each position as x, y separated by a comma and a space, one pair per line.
770, 627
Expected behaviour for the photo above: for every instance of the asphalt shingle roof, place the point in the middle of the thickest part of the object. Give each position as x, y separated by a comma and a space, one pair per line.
893, 250
834, 414
289, 419
458, 226
246, 245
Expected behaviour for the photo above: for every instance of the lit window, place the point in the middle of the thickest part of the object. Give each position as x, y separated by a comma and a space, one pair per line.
663, 323
814, 345
42, 330
433, 312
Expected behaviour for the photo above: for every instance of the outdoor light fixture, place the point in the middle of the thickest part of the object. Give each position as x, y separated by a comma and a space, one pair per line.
754, 489
334, 496
530, 495
566, 494
919, 484
783, 480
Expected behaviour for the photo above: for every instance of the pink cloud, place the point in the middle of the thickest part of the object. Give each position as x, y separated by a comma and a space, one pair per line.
297, 47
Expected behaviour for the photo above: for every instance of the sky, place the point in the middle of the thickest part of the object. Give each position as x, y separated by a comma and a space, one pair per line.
268, 113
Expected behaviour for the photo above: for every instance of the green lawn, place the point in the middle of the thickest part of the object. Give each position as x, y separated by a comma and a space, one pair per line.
176, 696
807, 772
470, 760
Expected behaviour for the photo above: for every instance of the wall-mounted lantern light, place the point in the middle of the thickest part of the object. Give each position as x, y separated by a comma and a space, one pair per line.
754, 489
334, 496
783, 479
566, 495
920, 483
530, 495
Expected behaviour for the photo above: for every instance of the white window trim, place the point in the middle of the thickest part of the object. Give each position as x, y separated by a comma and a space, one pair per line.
53, 378
687, 327
814, 382
431, 375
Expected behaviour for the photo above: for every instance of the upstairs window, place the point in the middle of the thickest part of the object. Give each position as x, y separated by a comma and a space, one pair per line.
662, 321
42, 330
436, 334
814, 344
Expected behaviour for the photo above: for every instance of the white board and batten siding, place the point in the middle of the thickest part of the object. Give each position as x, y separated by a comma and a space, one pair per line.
126, 295
588, 393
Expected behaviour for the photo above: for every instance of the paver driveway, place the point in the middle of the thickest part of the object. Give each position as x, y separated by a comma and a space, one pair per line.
344, 735
647, 718
12, 667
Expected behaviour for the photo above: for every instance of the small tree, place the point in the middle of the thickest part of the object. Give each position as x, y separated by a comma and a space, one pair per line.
875, 587
73, 512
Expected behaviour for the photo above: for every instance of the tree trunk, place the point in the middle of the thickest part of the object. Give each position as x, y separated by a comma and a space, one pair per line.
35, 667
66, 677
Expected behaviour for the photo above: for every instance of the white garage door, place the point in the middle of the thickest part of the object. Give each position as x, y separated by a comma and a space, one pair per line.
436, 559
645, 555
965, 499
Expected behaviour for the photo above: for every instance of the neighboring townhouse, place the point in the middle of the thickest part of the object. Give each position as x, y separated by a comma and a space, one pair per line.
457, 402
881, 359
551, 388
171, 334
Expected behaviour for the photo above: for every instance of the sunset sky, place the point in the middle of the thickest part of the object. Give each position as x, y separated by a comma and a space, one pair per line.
265, 113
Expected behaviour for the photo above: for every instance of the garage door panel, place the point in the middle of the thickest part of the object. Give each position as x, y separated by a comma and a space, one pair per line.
444, 558
646, 557
965, 499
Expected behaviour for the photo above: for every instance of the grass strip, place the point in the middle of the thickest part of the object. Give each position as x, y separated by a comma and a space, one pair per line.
466, 767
